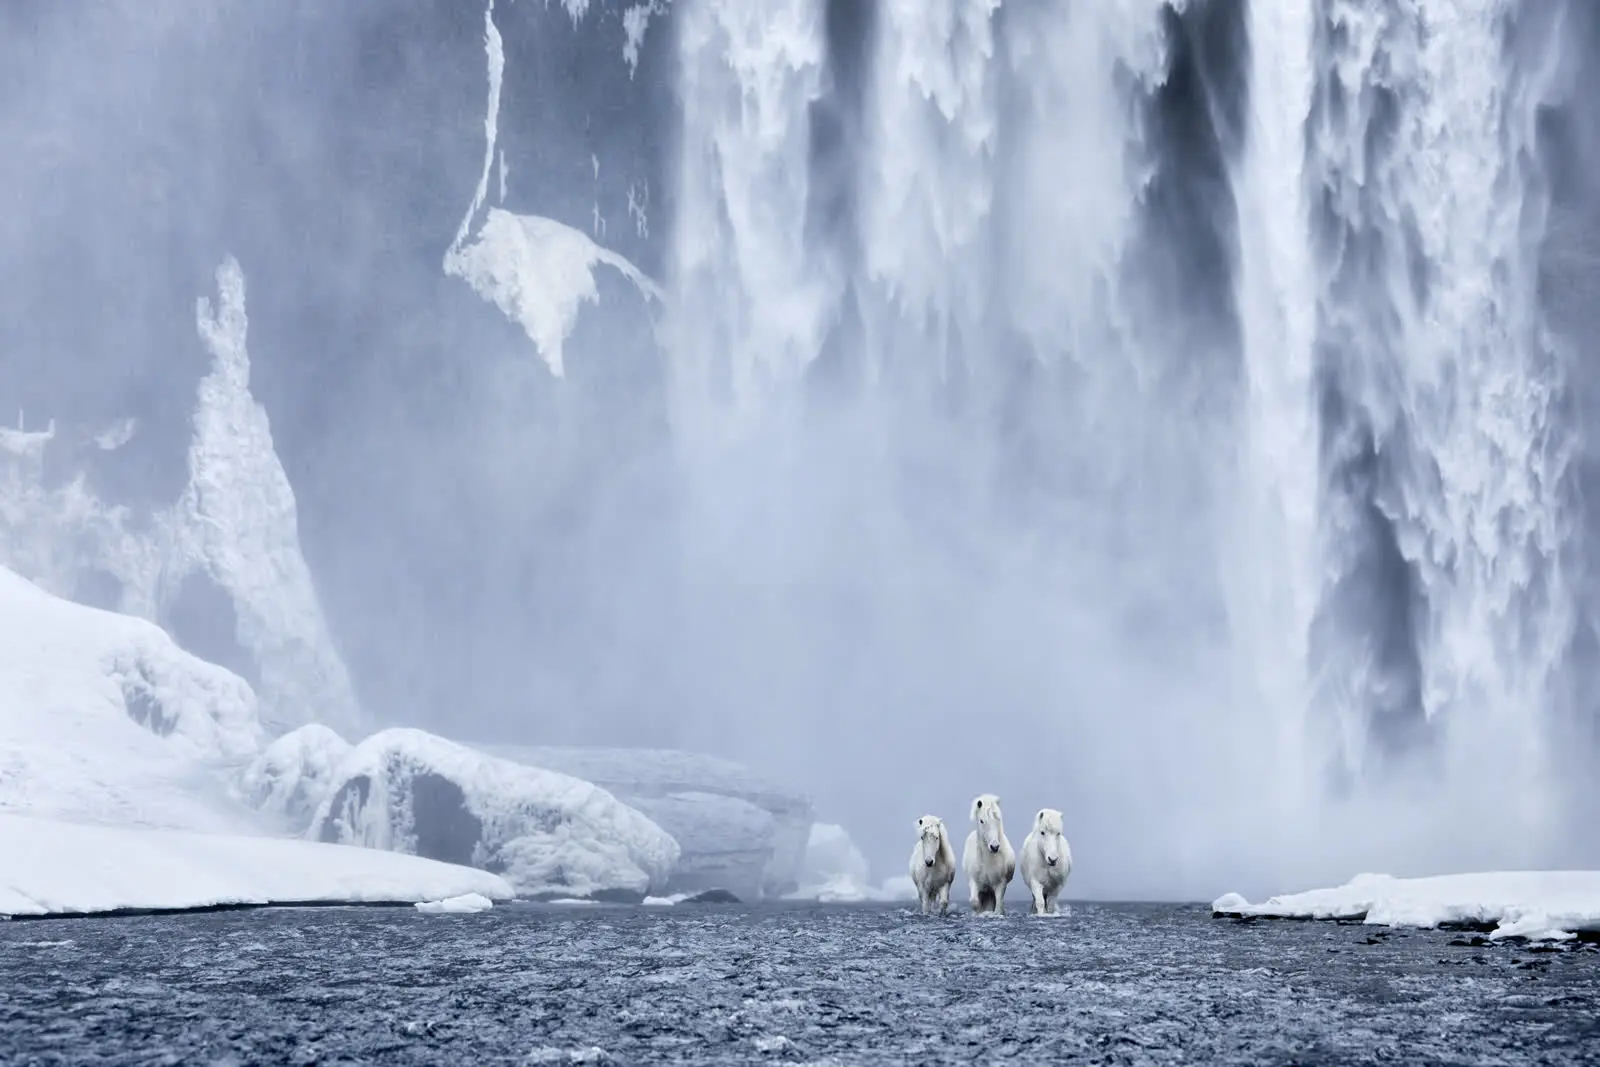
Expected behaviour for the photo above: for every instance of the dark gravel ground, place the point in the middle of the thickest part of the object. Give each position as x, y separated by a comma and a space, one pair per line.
788, 984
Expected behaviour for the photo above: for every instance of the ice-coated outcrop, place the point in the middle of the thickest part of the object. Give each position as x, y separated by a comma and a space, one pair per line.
103, 718
539, 273
737, 830
238, 524
548, 833
292, 776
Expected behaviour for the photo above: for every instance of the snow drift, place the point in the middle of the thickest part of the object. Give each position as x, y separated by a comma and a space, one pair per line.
1537, 905
49, 867
548, 833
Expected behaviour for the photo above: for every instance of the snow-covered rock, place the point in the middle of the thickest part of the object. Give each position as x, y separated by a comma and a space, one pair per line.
465, 904
50, 867
291, 776
104, 719
1537, 905
547, 832
737, 830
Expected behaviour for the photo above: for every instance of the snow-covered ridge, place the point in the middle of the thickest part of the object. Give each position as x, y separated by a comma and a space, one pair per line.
1537, 905
49, 867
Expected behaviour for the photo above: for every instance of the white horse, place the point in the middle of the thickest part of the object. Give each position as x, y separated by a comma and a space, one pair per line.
1046, 861
933, 864
988, 859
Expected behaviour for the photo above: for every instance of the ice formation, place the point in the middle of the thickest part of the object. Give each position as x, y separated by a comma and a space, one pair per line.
292, 775
549, 833
737, 830
67, 868
537, 271
1537, 905
237, 522
466, 904
540, 273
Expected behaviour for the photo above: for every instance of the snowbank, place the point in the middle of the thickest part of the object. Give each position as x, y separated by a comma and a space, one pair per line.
1537, 905
103, 718
737, 830
49, 867
293, 775
549, 833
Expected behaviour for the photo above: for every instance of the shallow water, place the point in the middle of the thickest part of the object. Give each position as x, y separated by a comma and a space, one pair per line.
791, 984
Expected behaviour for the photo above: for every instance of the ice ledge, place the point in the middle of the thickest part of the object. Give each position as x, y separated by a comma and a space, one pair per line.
49, 867
1534, 905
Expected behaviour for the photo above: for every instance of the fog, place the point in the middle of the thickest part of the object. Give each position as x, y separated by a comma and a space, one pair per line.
1032, 407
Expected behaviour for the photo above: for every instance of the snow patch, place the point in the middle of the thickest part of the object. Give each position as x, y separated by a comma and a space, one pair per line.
1537, 905
549, 833
54, 867
463, 905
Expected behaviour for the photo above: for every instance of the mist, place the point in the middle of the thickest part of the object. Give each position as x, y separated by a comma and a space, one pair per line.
1079, 406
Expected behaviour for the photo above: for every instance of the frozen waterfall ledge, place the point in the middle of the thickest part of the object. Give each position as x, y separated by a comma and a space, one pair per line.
49, 867
1534, 905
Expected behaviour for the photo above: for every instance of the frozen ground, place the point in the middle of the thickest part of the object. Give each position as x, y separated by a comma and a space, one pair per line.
1536, 905
781, 983
49, 867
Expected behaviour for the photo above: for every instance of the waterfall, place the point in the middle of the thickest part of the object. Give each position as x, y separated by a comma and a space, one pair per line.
1446, 460
1204, 420
1278, 551
747, 315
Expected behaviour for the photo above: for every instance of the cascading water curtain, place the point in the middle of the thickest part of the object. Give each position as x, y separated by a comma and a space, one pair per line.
1232, 454
1447, 608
